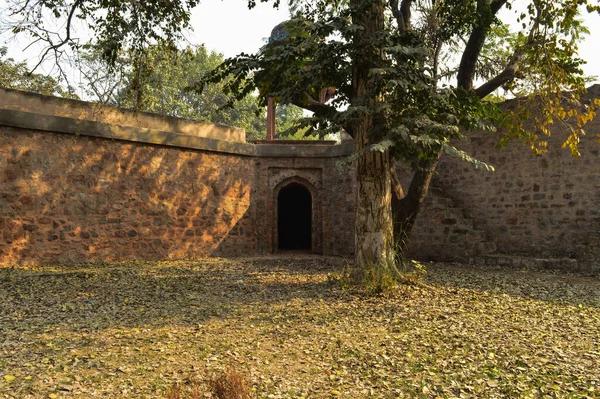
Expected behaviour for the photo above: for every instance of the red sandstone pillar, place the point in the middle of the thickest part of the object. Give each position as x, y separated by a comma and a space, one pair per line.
270, 119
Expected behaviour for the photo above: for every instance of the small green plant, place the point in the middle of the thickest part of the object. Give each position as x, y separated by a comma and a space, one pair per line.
413, 272
374, 278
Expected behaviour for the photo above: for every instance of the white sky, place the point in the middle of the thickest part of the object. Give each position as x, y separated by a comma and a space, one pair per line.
228, 27
243, 30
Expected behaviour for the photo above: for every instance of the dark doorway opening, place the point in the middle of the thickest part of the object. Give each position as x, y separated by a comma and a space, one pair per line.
294, 218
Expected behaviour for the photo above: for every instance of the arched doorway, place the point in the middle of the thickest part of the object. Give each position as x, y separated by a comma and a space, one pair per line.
294, 218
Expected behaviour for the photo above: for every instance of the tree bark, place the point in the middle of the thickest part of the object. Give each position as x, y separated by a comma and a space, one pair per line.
374, 235
485, 14
406, 209
374, 227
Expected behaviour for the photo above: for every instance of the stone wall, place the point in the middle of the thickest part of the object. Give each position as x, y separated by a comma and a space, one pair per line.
545, 205
77, 199
69, 199
77, 187
76, 190
542, 206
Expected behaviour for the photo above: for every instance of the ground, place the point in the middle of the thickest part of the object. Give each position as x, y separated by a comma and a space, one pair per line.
133, 329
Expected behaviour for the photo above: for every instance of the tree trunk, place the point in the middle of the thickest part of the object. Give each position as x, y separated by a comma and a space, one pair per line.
374, 239
405, 210
374, 227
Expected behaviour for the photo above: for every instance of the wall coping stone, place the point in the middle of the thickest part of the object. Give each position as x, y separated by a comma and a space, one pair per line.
75, 109
26, 110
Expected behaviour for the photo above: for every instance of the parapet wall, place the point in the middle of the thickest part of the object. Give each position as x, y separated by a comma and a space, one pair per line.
81, 190
72, 110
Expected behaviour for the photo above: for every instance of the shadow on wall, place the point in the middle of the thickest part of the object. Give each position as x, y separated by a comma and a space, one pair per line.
70, 199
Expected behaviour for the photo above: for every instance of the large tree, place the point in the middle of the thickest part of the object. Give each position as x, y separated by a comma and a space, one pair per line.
399, 100
396, 93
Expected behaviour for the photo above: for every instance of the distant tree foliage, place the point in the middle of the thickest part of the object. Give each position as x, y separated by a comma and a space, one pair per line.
15, 75
156, 80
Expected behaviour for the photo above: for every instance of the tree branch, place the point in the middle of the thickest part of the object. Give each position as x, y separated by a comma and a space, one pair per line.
55, 47
321, 110
401, 13
22, 9
496, 5
485, 13
396, 185
509, 73
503, 77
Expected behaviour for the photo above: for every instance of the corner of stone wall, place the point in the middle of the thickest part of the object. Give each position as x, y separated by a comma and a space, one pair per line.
588, 254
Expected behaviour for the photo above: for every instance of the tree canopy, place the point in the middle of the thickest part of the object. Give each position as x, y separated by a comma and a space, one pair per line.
414, 50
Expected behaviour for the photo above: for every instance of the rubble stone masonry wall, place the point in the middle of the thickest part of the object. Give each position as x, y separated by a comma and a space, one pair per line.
70, 199
74, 190
545, 205
538, 206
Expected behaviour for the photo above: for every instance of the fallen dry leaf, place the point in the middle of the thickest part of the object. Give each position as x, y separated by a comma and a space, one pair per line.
132, 330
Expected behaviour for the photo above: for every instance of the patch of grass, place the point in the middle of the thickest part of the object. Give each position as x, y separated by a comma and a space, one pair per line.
153, 329
373, 279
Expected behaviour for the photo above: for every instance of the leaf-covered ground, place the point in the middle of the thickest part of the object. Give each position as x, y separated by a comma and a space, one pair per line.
132, 330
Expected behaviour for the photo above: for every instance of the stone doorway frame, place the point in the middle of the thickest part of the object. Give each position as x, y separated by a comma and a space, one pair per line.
316, 222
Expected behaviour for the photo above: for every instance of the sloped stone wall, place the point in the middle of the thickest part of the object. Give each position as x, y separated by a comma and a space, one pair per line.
546, 205
70, 199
